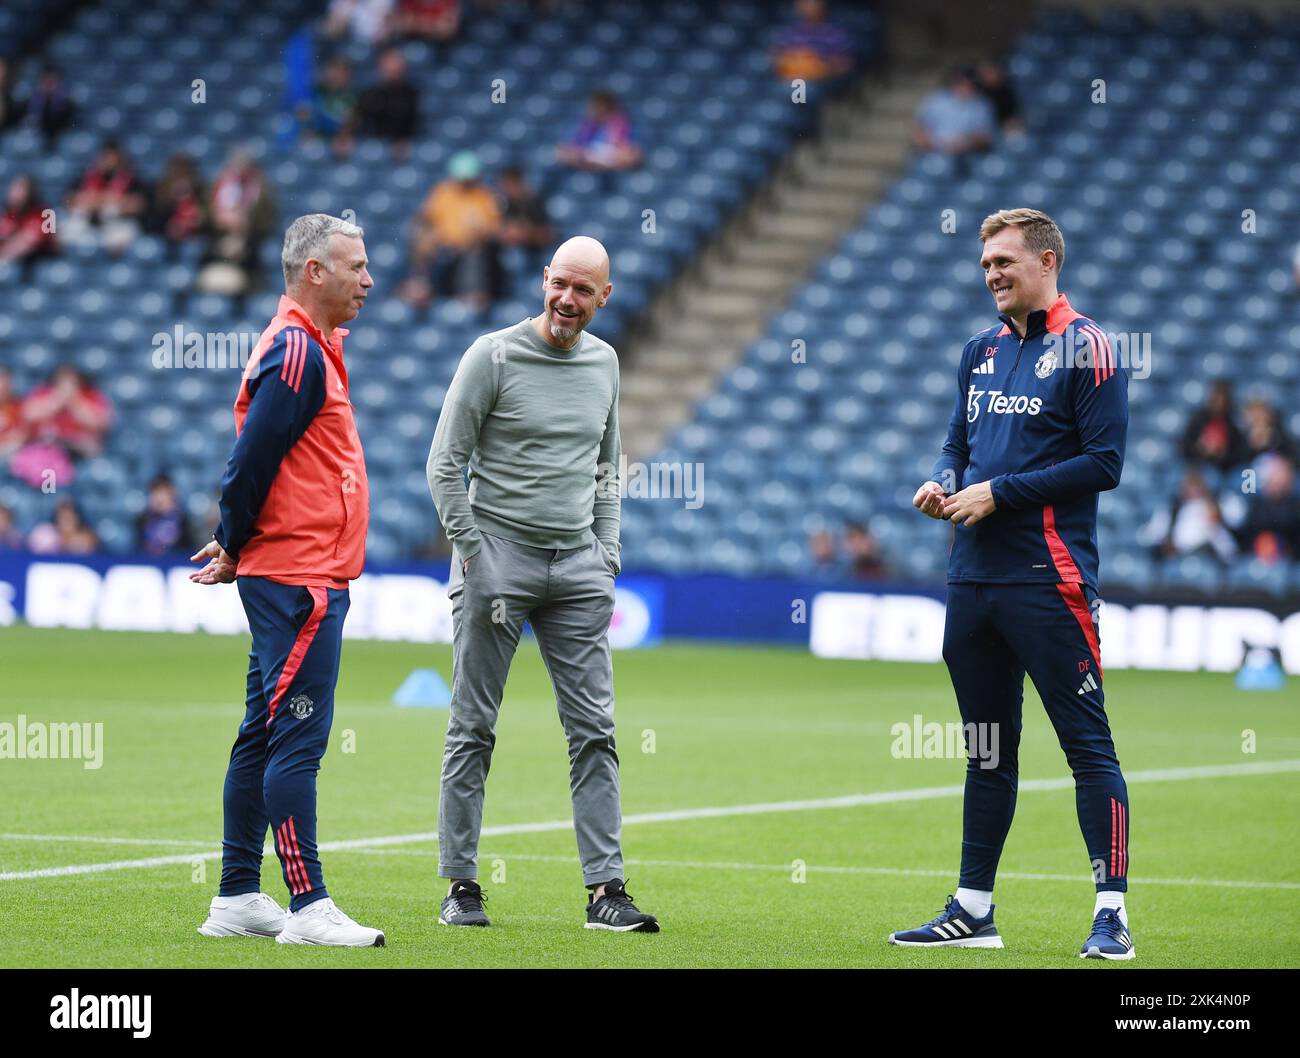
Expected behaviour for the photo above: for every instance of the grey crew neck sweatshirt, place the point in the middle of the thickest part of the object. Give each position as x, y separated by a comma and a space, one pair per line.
537, 425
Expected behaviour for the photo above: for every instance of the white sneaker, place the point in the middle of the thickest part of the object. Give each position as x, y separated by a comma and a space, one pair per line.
250, 915
323, 923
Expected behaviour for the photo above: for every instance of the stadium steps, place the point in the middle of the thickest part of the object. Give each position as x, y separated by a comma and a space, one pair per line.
702, 324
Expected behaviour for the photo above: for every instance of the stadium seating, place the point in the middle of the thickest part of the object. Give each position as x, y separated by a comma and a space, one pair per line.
1149, 187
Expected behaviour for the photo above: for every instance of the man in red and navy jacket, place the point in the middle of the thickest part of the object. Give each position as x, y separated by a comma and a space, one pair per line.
1037, 432
294, 511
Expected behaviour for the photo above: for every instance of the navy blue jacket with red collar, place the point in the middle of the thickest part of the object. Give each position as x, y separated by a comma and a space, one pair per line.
1044, 419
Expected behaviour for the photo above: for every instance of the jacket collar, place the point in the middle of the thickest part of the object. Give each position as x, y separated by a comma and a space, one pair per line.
290, 310
294, 313
1040, 321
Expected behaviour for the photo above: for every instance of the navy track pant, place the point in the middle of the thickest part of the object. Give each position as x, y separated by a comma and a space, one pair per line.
271, 780
993, 635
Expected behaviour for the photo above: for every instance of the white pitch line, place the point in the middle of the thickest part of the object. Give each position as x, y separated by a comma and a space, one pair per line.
1211, 771
819, 868
86, 840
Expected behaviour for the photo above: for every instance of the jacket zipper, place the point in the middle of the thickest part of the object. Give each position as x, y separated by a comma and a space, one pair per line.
1016, 364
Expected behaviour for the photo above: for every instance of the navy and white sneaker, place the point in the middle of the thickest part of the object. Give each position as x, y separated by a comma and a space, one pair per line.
615, 911
1110, 938
463, 906
954, 927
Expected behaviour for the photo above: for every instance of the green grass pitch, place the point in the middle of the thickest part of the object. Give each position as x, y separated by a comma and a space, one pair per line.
1215, 867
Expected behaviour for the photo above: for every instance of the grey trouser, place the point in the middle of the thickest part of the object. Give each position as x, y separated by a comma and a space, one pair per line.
568, 598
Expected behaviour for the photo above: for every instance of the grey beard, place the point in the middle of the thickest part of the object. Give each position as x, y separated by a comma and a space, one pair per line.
563, 333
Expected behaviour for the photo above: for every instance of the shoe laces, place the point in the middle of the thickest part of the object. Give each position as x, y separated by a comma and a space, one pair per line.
331, 911
618, 897
1109, 923
468, 898
950, 910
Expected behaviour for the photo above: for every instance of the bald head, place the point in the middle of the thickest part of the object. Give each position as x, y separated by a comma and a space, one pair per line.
574, 285
584, 254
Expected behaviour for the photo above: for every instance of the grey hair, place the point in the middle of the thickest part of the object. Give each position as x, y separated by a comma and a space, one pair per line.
309, 237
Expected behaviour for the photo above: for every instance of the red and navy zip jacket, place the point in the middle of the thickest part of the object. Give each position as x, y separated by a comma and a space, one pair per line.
295, 499
1043, 418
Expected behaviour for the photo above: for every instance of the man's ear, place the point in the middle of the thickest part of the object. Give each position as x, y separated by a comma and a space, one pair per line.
609, 289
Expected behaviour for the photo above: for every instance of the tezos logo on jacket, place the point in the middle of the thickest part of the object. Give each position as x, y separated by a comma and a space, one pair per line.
1000, 404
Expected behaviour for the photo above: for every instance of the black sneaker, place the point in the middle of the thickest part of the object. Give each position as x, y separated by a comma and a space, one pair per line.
615, 911
463, 906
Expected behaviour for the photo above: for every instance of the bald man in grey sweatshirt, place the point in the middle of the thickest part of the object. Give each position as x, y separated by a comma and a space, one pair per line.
533, 412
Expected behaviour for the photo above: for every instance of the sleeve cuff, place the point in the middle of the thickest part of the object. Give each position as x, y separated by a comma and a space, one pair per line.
1000, 501
219, 536
467, 547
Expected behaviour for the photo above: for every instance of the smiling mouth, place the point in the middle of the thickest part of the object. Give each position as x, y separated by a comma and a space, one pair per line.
564, 315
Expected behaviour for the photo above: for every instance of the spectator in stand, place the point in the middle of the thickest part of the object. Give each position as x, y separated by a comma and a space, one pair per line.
48, 109
365, 20
178, 210
67, 534
862, 549
1271, 531
604, 141
454, 250
1191, 525
13, 430
162, 526
525, 222
1212, 435
334, 105
390, 110
26, 228
68, 411
437, 21
1263, 432
955, 119
243, 214
811, 48
11, 538
991, 79
826, 560
108, 204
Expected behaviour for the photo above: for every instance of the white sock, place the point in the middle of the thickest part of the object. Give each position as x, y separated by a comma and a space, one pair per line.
975, 901
1109, 899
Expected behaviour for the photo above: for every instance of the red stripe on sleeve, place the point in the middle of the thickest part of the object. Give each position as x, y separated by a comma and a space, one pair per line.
1107, 354
1096, 356
302, 363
